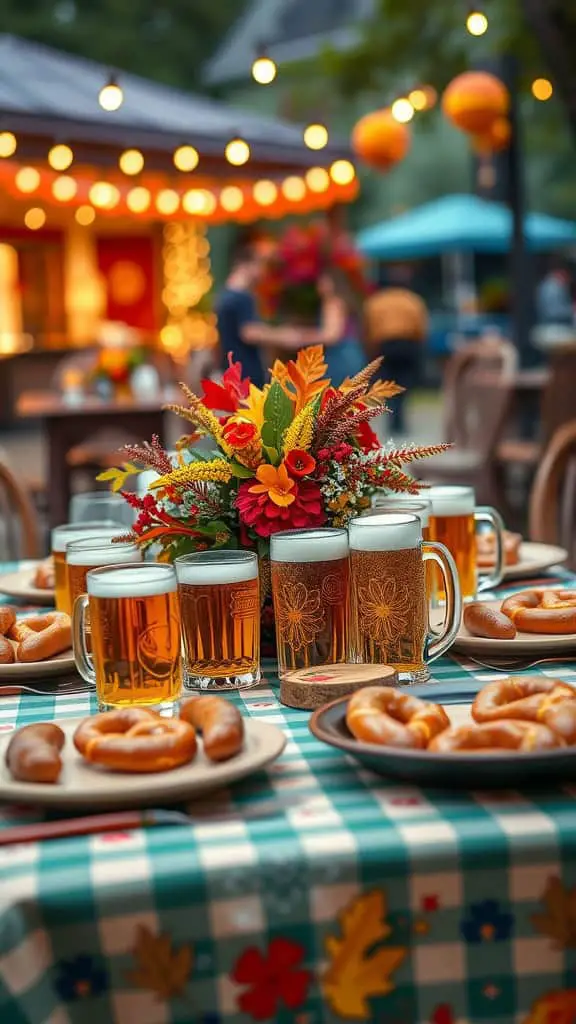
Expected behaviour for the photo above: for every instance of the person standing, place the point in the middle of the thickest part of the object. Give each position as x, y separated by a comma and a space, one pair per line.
396, 326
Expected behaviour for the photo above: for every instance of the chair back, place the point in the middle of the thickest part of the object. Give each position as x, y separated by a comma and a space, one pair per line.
552, 513
468, 374
558, 403
18, 529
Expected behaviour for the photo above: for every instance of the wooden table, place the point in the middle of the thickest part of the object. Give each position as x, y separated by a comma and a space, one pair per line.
68, 425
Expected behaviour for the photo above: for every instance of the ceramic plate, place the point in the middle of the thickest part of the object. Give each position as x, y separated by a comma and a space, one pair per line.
471, 771
61, 664
534, 559
19, 585
523, 643
87, 788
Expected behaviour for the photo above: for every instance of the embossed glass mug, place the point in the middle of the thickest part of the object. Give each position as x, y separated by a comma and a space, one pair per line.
388, 600
310, 588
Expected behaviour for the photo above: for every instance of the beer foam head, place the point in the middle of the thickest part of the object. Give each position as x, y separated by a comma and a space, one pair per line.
100, 551
210, 568
451, 501
388, 531
309, 545
417, 506
62, 536
146, 580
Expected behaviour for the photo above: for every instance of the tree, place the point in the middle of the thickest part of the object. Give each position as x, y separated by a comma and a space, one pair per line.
167, 40
409, 41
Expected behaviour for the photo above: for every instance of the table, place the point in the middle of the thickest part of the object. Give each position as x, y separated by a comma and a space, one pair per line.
68, 425
314, 893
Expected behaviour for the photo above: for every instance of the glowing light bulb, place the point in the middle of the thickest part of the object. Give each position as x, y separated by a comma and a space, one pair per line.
27, 179
418, 99
402, 110
237, 152
198, 201
293, 189
477, 23
318, 179
138, 199
64, 188
131, 161
111, 96
85, 215
104, 195
265, 192
7, 144
264, 70
316, 136
342, 172
167, 201
60, 157
542, 89
231, 199
35, 218
186, 158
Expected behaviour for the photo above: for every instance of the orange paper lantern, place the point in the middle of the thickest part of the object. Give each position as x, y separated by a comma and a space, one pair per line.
495, 139
380, 141
475, 100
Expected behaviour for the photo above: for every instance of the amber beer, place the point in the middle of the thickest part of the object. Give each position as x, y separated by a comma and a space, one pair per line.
453, 524
219, 595
93, 553
310, 588
135, 627
64, 535
389, 605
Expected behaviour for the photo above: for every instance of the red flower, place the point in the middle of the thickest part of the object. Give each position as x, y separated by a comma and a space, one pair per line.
265, 517
226, 396
366, 437
239, 433
299, 463
274, 979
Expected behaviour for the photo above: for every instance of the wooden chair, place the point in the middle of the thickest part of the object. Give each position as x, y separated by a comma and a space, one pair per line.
552, 512
18, 525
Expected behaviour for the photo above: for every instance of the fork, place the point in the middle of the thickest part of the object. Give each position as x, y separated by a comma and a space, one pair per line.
63, 685
518, 663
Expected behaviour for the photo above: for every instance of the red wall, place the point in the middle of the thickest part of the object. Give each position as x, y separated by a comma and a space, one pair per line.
128, 267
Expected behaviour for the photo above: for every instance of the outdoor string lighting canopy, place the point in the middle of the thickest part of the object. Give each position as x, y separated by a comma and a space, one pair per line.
160, 154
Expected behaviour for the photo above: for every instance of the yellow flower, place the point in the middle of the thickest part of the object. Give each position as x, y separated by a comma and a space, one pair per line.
275, 482
253, 406
301, 431
215, 471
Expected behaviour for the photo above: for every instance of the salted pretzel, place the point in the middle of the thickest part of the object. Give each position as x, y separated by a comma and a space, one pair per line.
384, 715
220, 723
135, 740
520, 698
496, 738
41, 636
542, 611
486, 549
7, 620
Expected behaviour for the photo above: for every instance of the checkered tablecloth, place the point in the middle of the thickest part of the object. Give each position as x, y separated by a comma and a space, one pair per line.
313, 893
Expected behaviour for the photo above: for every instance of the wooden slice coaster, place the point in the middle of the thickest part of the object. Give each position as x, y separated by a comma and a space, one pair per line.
311, 688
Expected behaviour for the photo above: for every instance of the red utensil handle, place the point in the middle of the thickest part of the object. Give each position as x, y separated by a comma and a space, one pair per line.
90, 825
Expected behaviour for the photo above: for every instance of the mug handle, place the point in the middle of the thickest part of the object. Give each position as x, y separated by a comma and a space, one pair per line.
433, 552
485, 514
81, 656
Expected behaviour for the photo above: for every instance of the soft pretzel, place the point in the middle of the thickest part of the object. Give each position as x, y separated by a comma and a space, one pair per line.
496, 738
486, 549
219, 721
481, 620
384, 715
33, 753
561, 718
44, 575
520, 697
135, 740
7, 618
542, 611
41, 636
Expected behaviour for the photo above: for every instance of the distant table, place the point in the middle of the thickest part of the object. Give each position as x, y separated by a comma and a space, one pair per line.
68, 425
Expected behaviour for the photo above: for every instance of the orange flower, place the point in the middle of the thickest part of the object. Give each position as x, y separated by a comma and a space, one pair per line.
239, 433
275, 482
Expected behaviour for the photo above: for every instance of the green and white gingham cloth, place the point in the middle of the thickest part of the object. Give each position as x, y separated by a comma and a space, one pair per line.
313, 893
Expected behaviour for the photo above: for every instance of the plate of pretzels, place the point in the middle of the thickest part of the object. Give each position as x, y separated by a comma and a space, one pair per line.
33, 581
133, 757
521, 557
34, 645
528, 622
515, 731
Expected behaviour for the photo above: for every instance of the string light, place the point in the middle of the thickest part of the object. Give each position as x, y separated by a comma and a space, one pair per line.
477, 23
8, 144
264, 69
198, 201
418, 99
402, 110
85, 215
342, 172
104, 195
60, 157
131, 161
34, 218
293, 189
186, 158
318, 179
167, 201
232, 199
27, 179
542, 89
431, 96
237, 152
265, 192
138, 199
316, 136
111, 96
64, 188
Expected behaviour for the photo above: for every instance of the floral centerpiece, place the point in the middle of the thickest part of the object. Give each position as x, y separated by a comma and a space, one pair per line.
114, 367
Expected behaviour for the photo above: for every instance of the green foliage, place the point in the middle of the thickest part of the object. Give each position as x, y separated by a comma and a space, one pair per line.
278, 415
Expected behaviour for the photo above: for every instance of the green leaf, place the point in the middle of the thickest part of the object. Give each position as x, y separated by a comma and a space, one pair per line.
278, 414
241, 471
273, 454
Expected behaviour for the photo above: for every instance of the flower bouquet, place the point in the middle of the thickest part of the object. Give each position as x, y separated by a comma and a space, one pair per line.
113, 369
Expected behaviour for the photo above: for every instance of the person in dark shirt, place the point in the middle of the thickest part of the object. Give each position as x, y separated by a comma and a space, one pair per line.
239, 328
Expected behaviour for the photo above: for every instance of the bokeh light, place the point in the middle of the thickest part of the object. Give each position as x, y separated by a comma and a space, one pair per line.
231, 199
264, 70
402, 110
316, 136
8, 144
131, 161
167, 201
111, 96
186, 158
318, 179
64, 188
35, 218
138, 199
27, 179
265, 192
342, 172
60, 157
477, 23
542, 89
85, 215
237, 152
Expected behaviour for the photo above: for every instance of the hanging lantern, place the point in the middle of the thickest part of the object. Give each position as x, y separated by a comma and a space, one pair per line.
380, 141
474, 100
495, 139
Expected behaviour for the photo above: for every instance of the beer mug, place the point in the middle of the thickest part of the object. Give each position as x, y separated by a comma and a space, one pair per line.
389, 605
135, 636
453, 523
62, 536
415, 504
219, 596
310, 586
93, 553
106, 506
